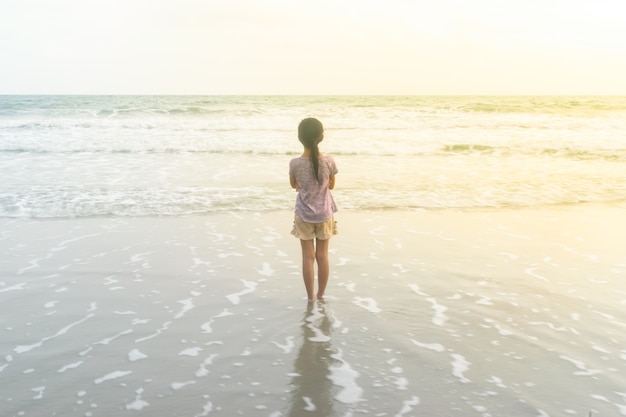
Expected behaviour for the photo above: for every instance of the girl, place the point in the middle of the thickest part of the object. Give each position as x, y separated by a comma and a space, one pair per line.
313, 176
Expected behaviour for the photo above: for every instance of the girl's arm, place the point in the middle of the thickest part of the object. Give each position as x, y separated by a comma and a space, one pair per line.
292, 181
331, 182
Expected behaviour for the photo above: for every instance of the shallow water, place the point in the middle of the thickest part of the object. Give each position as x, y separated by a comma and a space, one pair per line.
516, 313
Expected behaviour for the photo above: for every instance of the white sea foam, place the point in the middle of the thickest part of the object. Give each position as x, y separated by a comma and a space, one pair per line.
459, 366
309, 406
342, 261
486, 301
206, 327
439, 318
110, 280
224, 313
63, 245
200, 262
229, 254
549, 325
235, 298
401, 383
378, 230
39, 391
69, 366
124, 313
138, 404
497, 381
583, 371
532, 273
502, 331
140, 257
286, 347
64, 330
266, 270
345, 377
195, 351
319, 335
86, 351
367, 303
437, 347
206, 409
187, 305
203, 371
407, 406
112, 338
165, 326
135, 355
180, 385
599, 348
112, 375
315, 314
15, 287
417, 290
34, 263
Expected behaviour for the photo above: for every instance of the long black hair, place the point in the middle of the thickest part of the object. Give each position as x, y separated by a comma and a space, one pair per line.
310, 133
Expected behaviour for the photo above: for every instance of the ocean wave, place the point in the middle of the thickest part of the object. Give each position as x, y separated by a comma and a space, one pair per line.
564, 105
569, 153
123, 106
82, 201
110, 107
487, 151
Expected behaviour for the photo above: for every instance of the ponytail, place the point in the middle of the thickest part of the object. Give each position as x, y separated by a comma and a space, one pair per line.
310, 133
315, 153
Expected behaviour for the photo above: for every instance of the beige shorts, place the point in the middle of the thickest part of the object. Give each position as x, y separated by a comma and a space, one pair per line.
308, 231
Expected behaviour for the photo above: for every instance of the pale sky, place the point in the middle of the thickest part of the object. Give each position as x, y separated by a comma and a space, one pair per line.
416, 47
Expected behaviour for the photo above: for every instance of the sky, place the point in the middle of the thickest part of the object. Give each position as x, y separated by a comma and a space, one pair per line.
343, 47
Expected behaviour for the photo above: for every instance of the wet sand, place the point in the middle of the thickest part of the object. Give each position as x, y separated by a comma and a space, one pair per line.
429, 313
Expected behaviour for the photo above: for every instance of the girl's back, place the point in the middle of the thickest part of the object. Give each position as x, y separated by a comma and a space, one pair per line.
314, 203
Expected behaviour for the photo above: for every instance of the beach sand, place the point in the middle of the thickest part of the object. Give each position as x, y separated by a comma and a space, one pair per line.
517, 312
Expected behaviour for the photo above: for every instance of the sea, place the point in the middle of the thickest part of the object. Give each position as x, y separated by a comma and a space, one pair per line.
85, 156
146, 266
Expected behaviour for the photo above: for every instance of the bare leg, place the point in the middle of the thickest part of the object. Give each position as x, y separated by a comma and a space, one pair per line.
308, 267
323, 266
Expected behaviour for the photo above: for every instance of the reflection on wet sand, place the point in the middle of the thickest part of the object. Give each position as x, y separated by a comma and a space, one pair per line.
312, 387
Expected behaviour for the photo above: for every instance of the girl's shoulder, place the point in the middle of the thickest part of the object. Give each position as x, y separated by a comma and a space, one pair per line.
299, 159
329, 161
